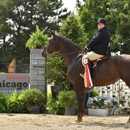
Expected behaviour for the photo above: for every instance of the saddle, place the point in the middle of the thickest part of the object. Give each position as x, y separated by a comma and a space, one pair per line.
94, 62
88, 74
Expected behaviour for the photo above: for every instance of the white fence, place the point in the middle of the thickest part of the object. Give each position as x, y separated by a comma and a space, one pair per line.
116, 90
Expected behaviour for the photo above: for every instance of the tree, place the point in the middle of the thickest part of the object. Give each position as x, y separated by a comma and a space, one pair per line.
20, 17
117, 14
74, 30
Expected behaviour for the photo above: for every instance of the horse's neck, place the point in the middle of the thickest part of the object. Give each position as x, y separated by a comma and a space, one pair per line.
68, 58
69, 53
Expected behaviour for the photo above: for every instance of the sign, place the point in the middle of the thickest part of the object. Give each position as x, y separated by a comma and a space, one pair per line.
37, 66
12, 81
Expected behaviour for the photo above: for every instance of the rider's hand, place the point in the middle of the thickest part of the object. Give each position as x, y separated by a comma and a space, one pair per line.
85, 56
86, 49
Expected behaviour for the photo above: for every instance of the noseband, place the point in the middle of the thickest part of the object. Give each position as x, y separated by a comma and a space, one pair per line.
48, 46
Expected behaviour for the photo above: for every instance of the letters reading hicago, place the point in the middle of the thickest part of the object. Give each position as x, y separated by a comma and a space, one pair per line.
14, 81
18, 85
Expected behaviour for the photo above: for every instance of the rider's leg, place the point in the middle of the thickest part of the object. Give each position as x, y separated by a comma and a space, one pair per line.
92, 56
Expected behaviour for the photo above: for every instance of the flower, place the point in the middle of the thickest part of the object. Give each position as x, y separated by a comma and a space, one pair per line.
102, 102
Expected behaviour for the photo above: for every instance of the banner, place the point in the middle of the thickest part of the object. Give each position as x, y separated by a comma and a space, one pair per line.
12, 81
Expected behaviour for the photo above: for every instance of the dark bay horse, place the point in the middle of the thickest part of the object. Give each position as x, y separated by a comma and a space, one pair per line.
107, 71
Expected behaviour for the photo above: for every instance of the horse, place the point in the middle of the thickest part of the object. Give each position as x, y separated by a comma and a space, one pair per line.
105, 73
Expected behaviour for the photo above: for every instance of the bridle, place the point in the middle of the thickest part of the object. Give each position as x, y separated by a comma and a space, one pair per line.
54, 42
48, 46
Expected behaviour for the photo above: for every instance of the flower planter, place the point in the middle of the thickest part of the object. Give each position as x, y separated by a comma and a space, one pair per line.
98, 112
55, 90
70, 111
34, 109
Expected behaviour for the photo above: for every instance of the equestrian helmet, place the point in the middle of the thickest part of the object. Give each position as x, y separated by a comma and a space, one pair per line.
102, 20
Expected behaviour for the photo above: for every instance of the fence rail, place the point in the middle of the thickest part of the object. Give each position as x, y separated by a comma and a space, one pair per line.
117, 90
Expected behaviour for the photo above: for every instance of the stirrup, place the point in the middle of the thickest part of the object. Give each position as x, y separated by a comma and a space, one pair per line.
82, 75
96, 63
94, 66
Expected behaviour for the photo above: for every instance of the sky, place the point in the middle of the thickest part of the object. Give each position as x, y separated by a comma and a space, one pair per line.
70, 4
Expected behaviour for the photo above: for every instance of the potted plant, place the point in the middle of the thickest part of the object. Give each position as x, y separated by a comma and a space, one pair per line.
34, 99
101, 106
68, 100
37, 39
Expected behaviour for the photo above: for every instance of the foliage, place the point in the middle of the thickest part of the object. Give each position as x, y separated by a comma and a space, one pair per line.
57, 72
68, 99
33, 97
74, 30
54, 105
94, 93
3, 71
122, 101
14, 104
3, 102
102, 102
116, 13
37, 39
21, 102
26, 60
19, 18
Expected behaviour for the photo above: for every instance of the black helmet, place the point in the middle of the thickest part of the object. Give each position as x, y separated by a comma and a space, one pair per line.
102, 20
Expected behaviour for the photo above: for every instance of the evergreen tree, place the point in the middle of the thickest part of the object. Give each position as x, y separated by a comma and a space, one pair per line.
20, 17
74, 30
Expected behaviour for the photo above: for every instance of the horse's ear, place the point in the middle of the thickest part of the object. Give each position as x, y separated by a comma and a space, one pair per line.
52, 32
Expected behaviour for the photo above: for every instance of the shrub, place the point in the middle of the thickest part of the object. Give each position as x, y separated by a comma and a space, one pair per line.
94, 93
54, 105
33, 97
3, 102
68, 99
14, 105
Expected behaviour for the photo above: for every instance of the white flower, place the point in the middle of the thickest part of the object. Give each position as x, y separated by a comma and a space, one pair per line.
102, 102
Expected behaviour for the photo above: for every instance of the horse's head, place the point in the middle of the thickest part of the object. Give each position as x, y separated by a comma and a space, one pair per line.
51, 46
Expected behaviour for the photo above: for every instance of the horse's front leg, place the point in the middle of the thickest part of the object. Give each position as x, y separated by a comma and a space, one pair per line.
80, 100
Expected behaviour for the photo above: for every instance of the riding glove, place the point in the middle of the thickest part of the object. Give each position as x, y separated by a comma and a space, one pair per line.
86, 49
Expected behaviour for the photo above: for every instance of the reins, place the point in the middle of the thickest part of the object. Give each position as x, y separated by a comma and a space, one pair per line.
70, 53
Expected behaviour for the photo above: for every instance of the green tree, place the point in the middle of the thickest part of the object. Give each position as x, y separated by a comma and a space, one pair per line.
20, 17
74, 30
116, 13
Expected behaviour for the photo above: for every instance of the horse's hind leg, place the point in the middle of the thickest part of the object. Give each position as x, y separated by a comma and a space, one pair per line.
80, 99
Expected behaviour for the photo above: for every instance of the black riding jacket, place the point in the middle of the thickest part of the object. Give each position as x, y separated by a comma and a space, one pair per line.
99, 43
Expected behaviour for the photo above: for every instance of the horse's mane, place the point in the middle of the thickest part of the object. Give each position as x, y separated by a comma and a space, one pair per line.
66, 40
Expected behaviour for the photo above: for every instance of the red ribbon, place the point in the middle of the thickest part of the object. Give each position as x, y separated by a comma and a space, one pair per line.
87, 77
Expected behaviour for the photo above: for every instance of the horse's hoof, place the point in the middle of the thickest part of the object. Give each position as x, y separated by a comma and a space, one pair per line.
79, 120
128, 122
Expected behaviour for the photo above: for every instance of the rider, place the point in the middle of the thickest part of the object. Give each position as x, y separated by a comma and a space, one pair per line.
99, 44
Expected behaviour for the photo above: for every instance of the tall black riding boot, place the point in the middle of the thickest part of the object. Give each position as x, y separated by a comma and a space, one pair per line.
90, 67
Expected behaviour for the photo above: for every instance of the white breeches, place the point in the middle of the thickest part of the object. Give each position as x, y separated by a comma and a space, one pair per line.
92, 56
